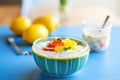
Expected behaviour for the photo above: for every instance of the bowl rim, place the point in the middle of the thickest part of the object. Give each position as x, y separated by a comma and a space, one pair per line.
86, 49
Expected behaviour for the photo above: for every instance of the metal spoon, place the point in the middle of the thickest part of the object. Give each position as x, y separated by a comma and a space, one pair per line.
11, 40
105, 21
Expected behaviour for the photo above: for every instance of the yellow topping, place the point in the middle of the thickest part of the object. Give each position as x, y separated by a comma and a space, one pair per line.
70, 43
59, 48
73, 48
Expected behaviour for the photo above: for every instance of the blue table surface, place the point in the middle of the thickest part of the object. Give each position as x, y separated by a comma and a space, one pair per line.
100, 66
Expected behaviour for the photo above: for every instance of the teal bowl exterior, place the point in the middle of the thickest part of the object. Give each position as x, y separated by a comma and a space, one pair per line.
61, 67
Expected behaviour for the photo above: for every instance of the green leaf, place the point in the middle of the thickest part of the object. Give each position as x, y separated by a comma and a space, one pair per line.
65, 49
69, 47
60, 39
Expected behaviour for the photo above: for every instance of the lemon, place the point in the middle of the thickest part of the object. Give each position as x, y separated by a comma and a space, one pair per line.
34, 32
50, 22
20, 24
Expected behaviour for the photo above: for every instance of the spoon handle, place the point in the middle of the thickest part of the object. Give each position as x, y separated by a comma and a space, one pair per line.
11, 40
105, 21
17, 48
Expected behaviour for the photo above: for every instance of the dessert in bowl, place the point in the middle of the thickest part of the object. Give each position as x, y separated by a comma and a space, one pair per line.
60, 56
97, 36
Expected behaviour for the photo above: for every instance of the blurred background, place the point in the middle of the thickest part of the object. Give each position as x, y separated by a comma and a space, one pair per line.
78, 11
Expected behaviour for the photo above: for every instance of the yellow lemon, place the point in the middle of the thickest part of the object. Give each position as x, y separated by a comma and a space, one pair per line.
20, 24
50, 22
34, 32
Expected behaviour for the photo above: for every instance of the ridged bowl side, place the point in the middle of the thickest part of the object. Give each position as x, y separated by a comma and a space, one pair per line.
60, 67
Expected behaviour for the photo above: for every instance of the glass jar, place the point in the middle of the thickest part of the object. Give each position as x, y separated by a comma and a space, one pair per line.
98, 37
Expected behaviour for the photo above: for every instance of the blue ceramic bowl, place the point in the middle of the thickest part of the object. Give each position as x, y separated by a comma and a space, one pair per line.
61, 67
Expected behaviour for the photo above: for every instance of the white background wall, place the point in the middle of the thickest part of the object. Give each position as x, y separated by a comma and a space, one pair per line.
114, 5
85, 9
111, 4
